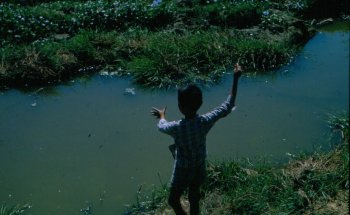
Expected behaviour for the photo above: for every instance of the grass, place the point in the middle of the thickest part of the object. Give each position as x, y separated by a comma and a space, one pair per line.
317, 183
14, 210
155, 59
159, 45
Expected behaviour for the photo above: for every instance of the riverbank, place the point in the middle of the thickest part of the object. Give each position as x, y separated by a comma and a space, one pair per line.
160, 44
317, 183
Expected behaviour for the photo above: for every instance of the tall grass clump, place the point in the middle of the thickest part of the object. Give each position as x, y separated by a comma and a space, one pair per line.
13, 210
167, 57
339, 125
149, 201
253, 190
306, 184
20, 63
155, 59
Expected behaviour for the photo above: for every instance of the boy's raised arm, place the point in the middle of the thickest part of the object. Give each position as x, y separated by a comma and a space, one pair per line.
237, 72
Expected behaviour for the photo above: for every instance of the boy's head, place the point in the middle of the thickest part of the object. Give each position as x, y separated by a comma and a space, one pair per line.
189, 100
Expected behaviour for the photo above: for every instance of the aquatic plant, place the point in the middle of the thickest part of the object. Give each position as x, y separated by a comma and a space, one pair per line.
149, 200
14, 210
88, 209
339, 126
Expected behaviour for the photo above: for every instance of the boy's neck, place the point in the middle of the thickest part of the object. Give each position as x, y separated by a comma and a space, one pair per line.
192, 116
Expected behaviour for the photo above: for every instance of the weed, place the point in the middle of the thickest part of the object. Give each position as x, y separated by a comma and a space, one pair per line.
14, 210
161, 45
339, 123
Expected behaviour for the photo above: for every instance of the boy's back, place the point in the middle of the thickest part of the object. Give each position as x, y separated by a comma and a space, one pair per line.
190, 142
190, 134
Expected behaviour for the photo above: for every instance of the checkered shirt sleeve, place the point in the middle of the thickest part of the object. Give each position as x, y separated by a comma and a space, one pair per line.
190, 134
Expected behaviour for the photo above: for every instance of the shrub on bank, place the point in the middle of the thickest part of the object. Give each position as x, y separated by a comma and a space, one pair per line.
26, 24
155, 59
240, 15
161, 43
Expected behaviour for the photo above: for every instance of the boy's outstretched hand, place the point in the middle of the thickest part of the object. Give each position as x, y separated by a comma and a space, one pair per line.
158, 113
237, 70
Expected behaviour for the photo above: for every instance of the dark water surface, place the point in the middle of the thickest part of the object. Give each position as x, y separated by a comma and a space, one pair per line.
89, 142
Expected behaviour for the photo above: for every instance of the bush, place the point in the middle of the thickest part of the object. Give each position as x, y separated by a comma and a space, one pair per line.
168, 58
155, 59
161, 44
26, 24
325, 8
240, 15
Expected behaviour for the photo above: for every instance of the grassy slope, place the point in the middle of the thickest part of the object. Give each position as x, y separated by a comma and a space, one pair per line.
309, 184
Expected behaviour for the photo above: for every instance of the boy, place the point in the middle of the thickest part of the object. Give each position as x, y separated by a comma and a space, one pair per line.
190, 141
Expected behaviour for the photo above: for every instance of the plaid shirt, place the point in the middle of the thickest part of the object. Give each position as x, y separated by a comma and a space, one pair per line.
190, 134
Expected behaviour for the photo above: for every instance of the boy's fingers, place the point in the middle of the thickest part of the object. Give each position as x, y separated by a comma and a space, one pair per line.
155, 109
155, 113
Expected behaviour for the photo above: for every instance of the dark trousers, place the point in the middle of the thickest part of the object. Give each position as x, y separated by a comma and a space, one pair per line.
184, 178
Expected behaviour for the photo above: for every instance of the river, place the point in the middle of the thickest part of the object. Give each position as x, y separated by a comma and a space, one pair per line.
89, 142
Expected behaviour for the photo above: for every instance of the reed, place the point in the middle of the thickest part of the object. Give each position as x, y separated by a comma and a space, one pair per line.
13, 210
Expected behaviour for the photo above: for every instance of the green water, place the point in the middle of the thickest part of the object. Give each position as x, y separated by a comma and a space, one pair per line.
89, 142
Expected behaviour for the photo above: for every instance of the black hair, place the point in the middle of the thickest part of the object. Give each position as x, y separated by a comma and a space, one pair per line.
189, 99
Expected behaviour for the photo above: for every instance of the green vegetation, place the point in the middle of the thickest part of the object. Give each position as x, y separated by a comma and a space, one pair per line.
160, 44
14, 210
157, 44
309, 184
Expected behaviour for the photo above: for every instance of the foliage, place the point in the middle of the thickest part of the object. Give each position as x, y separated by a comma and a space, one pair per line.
242, 14
339, 126
14, 210
239, 187
150, 200
161, 43
316, 8
155, 59
25, 24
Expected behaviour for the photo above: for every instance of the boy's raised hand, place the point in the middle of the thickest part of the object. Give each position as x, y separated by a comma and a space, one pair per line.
158, 113
237, 70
